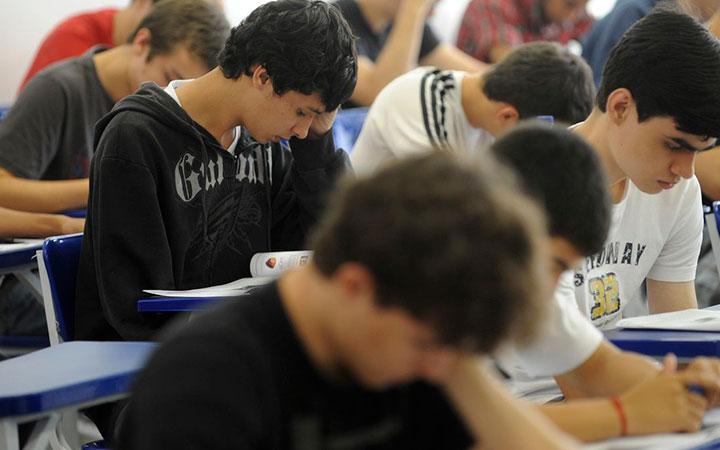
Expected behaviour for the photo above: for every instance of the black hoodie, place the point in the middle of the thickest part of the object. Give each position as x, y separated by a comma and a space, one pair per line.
170, 208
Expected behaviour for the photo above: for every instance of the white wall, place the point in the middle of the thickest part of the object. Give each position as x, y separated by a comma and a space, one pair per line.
23, 24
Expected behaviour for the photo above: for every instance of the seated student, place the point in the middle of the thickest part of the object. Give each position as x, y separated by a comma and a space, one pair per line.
77, 34
393, 38
211, 182
378, 323
606, 32
46, 138
547, 159
455, 111
490, 29
647, 126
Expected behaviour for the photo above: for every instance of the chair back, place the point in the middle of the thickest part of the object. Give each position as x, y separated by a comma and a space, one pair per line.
58, 266
347, 127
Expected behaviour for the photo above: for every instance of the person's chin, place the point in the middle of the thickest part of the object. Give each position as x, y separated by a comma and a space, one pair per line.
277, 139
650, 188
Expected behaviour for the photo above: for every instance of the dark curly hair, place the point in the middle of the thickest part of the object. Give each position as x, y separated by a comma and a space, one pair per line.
305, 46
453, 244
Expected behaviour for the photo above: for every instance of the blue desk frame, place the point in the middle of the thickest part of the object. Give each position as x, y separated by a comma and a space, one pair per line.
658, 343
19, 261
51, 385
178, 304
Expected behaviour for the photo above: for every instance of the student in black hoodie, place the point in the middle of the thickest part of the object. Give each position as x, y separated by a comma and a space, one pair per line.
376, 344
190, 181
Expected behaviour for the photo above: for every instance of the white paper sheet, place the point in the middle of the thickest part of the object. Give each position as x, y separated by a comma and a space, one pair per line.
237, 287
689, 319
669, 441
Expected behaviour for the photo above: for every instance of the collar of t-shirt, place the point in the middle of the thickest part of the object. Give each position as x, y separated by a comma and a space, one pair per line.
170, 90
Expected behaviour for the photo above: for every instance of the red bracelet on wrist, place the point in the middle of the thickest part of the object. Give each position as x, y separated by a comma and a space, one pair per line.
617, 403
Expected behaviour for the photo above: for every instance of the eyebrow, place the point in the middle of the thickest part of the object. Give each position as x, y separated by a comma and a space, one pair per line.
686, 145
315, 110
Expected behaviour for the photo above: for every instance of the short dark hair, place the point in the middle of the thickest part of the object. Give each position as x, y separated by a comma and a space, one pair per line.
199, 24
448, 242
305, 46
671, 65
562, 171
543, 78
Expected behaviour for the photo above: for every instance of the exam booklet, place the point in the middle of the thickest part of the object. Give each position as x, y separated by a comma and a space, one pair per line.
264, 267
685, 320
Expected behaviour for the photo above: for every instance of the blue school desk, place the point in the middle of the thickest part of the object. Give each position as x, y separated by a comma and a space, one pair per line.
51, 385
77, 213
684, 344
178, 304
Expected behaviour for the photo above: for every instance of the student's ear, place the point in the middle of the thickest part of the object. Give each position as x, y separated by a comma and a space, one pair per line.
507, 116
261, 78
619, 104
355, 283
141, 43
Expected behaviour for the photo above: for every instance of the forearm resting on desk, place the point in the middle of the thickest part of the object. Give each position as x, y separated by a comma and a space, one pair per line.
661, 403
448, 57
493, 415
40, 195
588, 420
36, 225
608, 371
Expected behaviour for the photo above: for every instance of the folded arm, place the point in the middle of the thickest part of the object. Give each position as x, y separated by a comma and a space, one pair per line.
42, 196
399, 54
493, 415
35, 225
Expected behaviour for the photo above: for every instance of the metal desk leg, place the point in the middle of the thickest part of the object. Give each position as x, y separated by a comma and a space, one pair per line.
31, 281
43, 429
9, 438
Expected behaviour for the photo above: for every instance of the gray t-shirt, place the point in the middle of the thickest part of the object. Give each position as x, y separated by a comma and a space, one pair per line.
48, 133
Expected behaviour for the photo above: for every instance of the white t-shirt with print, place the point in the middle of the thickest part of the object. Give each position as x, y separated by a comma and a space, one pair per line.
565, 340
654, 236
416, 113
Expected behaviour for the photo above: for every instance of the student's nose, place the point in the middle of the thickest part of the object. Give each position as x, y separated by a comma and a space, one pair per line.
684, 164
301, 129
